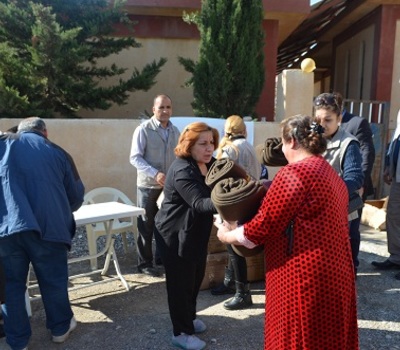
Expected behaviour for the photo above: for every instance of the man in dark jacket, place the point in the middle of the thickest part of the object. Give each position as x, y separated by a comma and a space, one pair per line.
360, 128
391, 176
40, 189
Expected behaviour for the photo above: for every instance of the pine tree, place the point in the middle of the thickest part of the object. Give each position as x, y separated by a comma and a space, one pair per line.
229, 75
50, 52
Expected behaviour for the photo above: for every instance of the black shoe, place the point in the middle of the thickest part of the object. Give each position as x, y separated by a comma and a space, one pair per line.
149, 271
242, 298
223, 289
159, 262
385, 265
239, 301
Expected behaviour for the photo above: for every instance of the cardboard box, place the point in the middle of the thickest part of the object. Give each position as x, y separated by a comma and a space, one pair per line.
215, 270
374, 216
214, 244
256, 268
378, 203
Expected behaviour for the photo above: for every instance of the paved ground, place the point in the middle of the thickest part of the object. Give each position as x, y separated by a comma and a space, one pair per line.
111, 318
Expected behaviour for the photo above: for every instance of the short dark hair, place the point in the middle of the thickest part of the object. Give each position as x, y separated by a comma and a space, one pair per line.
161, 95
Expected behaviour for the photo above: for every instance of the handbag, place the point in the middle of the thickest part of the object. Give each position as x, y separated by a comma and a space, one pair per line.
355, 202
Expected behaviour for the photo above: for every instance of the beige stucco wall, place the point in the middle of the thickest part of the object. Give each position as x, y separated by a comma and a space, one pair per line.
169, 81
101, 147
294, 93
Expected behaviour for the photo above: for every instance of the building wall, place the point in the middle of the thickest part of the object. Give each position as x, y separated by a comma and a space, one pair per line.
169, 36
101, 148
395, 98
354, 65
169, 81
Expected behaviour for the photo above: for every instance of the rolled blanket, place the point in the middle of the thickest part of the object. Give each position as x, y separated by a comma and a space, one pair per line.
270, 152
222, 169
238, 199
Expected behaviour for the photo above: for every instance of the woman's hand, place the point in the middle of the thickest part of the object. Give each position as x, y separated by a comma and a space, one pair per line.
224, 229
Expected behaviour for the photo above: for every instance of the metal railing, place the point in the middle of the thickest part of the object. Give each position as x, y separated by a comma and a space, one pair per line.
373, 111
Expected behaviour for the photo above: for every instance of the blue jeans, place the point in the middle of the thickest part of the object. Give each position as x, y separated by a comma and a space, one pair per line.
147, 199
49, 260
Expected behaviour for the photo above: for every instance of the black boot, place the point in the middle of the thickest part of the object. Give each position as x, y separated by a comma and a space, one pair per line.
226, 287
242, 298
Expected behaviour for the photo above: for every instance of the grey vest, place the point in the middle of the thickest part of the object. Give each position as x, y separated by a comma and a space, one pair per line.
158, 153
336, 148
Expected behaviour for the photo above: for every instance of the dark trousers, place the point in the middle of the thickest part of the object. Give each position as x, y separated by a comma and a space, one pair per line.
183, 279
147, 199
49, 260
355, 239
237, 264
2, 284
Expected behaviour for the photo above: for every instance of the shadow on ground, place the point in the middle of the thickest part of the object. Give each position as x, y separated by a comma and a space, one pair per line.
115, 319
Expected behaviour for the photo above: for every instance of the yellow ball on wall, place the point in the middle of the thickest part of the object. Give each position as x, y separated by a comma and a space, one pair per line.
308, 65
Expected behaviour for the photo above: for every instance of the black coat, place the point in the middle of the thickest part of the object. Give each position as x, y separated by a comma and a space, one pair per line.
185, 218
360, 128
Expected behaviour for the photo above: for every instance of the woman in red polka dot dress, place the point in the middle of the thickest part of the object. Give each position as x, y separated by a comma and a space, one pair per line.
310, 290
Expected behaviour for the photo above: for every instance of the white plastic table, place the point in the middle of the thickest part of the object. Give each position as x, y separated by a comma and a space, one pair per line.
106, 213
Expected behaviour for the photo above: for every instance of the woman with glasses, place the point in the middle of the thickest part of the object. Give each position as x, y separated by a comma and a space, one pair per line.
344, 154
310, 299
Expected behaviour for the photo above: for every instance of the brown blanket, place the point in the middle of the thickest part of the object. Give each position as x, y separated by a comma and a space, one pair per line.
223, 169
270, 152
238, 199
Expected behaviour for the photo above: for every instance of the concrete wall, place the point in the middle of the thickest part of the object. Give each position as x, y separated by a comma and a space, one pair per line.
294, 93
101, 148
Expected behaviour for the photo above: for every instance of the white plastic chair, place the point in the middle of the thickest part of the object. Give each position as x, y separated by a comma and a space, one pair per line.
101, 195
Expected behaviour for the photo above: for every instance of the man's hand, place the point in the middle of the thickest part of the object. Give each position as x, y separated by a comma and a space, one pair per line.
160, 178
386, 176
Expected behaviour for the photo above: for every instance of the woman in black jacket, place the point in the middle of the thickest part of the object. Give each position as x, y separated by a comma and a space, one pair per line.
183, 226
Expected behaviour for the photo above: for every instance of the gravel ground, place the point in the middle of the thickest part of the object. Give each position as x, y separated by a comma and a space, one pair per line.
109, 317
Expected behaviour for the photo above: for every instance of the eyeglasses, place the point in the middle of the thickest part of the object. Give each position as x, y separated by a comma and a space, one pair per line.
326, 100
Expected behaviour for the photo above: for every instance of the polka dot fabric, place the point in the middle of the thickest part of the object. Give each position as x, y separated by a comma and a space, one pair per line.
310, 294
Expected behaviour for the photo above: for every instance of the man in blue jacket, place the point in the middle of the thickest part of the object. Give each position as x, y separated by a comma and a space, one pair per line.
40, 188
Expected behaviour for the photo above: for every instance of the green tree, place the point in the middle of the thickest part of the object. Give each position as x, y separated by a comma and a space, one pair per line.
229, 75
50, 52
